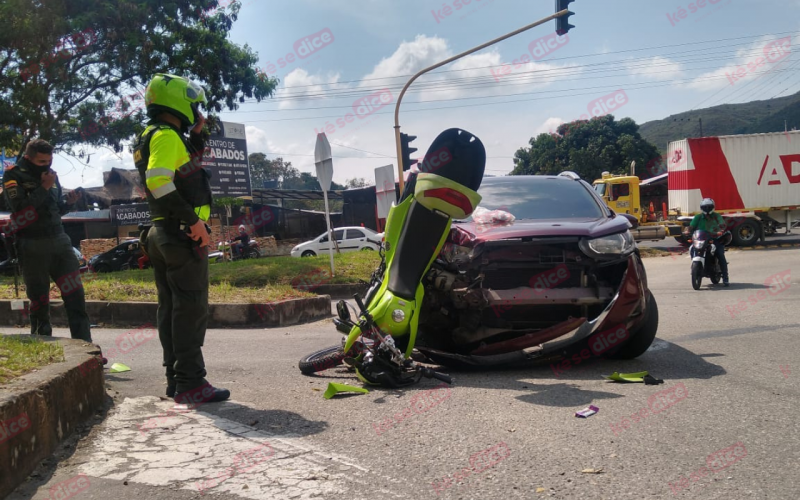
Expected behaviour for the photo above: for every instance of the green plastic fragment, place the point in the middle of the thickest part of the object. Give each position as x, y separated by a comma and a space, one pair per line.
334, 389
637, 377
119, 367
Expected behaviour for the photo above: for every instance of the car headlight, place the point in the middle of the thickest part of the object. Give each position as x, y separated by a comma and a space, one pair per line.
296, 248
611, 246
455, 254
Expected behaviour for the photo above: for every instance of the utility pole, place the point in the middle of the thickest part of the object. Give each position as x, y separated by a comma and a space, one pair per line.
562, 27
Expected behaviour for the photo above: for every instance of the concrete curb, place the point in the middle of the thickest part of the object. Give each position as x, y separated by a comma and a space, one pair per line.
124, 314
54, 400
336, 291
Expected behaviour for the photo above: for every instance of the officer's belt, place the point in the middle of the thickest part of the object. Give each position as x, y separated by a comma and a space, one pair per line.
171, 225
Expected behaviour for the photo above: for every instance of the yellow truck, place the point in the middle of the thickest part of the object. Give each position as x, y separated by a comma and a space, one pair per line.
647, 201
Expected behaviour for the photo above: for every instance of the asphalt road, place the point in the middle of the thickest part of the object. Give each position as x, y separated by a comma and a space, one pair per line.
731, 369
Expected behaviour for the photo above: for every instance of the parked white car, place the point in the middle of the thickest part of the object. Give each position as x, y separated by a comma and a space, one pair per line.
349, 239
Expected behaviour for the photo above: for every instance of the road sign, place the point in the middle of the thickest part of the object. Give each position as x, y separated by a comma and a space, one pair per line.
385, 193
324, 163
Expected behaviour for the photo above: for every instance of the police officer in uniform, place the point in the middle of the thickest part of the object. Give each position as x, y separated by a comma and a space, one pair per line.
179, 196
33, 194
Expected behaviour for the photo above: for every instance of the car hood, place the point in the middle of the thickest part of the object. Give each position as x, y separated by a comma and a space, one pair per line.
590, 228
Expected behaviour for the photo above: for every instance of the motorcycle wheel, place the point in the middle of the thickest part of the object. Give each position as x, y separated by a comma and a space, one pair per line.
322, 360
252, 254
716, 276
697, 275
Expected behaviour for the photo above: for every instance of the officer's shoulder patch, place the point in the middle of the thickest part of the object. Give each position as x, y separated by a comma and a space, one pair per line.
10, 183
137, 155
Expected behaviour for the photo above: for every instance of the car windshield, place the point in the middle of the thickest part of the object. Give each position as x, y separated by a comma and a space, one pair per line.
540, 198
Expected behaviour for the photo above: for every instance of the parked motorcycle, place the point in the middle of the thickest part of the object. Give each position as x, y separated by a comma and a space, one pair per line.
225, 252
704, 258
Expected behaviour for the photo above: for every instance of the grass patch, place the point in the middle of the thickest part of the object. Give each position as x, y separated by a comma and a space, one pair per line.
20, 355
267, 279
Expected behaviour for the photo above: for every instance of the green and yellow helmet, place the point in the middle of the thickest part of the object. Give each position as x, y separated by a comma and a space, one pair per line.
175, 95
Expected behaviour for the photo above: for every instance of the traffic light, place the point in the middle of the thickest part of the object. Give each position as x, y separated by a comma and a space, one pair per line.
562, 23
405, 144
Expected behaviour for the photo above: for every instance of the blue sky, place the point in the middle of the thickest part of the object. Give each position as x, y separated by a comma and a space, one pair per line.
665, 60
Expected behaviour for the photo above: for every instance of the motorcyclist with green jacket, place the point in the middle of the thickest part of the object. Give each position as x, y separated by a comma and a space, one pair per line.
714, 224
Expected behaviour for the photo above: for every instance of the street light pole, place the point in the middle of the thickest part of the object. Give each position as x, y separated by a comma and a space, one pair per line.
448, 61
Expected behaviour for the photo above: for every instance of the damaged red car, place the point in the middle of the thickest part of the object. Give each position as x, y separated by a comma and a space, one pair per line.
541, 270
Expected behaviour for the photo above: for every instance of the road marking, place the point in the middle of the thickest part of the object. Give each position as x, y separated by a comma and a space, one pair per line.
187, 449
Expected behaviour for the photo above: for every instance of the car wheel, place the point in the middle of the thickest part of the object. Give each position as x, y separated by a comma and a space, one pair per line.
745, 234
369, 249
102, 268
642, 338
308, 253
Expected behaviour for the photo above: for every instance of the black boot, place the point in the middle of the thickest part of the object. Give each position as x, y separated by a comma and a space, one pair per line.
205, 393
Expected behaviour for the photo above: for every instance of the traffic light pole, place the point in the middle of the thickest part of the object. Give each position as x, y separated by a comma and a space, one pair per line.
448, 61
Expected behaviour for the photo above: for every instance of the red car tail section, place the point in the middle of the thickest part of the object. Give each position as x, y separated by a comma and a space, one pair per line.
712, 174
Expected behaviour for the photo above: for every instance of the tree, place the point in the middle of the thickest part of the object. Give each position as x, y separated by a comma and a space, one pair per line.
75, 72
263, 169
356, 182
587, 148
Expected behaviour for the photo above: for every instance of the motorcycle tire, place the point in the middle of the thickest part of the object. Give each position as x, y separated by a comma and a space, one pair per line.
322, 360
697, 275
716, 276
252, 254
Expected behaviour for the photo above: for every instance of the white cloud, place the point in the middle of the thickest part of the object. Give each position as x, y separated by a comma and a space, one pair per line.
299, 84
548, 127
655, 68
745, 58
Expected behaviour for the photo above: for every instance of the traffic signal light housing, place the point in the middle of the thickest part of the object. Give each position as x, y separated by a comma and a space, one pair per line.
405, 144
562, 23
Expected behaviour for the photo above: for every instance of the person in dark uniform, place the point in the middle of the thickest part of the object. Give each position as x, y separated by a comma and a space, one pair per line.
179, 196
34, 195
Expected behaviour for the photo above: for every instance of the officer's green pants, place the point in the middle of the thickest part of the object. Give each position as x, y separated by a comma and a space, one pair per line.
53, 258
181, 275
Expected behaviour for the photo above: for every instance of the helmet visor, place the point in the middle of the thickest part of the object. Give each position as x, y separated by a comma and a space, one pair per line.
195, 93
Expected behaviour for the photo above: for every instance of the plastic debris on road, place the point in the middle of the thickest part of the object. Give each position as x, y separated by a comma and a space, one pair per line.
637, 377
334, 389
587, 412
118, 368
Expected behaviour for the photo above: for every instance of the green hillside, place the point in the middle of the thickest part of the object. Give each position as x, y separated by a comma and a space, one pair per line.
746, 118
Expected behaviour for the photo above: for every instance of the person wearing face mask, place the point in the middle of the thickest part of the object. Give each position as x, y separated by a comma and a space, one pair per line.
34, 195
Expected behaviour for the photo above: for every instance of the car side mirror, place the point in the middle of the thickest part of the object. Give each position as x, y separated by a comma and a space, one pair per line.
633, 220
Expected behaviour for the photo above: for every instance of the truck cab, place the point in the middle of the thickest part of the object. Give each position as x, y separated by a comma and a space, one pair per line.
621, 193
624, 195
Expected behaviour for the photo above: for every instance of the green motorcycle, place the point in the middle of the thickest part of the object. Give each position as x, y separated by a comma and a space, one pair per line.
379, 344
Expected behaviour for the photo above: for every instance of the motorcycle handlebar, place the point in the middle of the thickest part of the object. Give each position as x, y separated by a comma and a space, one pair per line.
360, 303
429, 373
